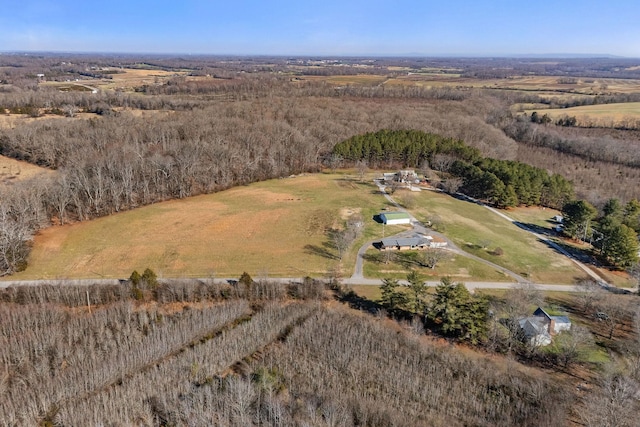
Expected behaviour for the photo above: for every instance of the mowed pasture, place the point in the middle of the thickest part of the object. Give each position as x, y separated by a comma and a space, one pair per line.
275, 228
605, 115
479, 231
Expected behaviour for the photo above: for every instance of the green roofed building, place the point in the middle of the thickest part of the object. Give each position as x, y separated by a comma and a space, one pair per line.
392, 218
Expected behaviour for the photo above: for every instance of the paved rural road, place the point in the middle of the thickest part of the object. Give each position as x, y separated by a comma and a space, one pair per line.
348, 281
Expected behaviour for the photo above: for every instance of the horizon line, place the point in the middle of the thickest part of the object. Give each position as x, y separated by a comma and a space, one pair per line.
325, 55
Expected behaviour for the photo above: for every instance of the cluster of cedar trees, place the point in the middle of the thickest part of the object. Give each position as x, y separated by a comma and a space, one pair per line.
453, 310
501, 182
614, 233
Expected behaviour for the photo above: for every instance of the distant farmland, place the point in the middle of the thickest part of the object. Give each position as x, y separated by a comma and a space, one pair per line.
602, 115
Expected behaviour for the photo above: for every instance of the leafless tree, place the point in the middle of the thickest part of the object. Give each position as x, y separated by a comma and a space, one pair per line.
591, 293
361, 167
452, 184
612, 312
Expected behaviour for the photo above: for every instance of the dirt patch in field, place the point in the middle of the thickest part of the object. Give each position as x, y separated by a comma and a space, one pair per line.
346, 213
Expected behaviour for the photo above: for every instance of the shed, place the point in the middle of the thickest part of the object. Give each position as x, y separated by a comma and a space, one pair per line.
392, 218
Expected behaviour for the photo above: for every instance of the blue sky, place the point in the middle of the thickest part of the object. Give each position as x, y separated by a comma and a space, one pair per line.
329, 27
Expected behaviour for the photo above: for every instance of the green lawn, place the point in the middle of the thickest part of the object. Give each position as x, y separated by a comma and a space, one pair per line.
477, 230
459, 268
536, 215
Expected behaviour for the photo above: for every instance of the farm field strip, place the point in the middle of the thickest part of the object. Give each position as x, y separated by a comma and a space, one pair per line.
601, 114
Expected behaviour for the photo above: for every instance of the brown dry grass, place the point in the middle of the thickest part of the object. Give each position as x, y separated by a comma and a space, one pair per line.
274, 227
11, 121
13, 170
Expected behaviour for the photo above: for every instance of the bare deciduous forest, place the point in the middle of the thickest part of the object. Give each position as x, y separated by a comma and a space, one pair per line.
217, 358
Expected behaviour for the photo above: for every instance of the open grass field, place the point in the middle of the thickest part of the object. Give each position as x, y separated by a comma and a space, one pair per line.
473, 227
458, 267
598, 115
10, 121
126, 78
278, 228
524, 83
13, 170
274, 228
359, 79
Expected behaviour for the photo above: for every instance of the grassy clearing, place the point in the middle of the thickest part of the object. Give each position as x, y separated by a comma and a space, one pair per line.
274, 228
372, 293
479, 231
360, 79
13, 170
279, 228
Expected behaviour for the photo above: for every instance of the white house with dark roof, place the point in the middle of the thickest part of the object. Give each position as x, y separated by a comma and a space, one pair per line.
539, 329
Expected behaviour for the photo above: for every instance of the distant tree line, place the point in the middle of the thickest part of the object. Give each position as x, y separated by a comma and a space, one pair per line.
501, 182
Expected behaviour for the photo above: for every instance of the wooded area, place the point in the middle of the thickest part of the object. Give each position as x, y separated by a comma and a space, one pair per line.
242, 357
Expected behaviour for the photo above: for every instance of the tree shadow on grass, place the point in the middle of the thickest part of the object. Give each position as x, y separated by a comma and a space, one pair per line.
545, 231
325, 251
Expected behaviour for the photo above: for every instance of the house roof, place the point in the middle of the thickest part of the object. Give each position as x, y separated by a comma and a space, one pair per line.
533, 326
395, 215
409, 241
558, 319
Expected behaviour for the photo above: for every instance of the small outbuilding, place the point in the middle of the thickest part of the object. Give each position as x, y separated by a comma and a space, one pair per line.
393, 218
